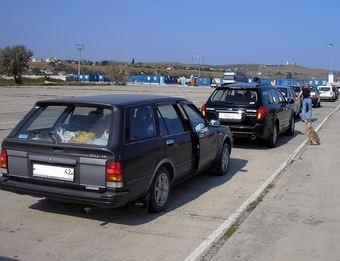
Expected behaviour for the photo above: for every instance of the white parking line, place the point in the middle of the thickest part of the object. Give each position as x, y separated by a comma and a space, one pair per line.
6, 122
203, 249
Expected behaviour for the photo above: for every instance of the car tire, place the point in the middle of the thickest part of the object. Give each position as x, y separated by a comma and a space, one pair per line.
297, 115
291, 128
223, 161
160, 190
271, 141
319, 103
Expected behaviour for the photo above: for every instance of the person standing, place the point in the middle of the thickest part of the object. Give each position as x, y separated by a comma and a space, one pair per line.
306, 102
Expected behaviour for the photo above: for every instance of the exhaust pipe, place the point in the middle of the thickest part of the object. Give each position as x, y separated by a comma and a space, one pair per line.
86, 210
252, 137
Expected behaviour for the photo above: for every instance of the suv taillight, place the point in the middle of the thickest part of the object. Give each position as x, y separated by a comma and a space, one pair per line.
114, 174
3, 159
261, 113
203, 110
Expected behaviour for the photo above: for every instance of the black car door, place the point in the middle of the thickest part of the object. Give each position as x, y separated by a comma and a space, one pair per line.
282, 109
205, 136
178, 143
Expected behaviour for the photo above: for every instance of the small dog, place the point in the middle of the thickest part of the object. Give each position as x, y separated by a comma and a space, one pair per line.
311, 135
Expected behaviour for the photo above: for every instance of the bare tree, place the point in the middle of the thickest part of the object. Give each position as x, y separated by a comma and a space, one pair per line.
14, 60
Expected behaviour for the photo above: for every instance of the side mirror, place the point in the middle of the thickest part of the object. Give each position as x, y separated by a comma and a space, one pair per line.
214, 123
199, 126
291, 101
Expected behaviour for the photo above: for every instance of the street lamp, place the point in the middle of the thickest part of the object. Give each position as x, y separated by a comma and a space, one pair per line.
79, 47
199, 63
331, 46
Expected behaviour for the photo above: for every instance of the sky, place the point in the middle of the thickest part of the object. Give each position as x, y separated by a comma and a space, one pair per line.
211, 32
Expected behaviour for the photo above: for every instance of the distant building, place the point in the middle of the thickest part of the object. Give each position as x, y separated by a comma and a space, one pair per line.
37, 60
51, 60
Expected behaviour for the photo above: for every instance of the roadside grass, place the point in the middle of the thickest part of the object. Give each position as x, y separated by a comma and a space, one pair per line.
250, 209
45, 81
235, 226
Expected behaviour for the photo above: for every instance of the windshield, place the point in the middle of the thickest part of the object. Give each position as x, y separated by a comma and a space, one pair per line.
283, 91
324, 89
312, 89
235, 96
229, 77
297, 89
68, 124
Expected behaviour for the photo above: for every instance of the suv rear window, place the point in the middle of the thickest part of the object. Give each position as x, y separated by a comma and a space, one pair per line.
236, 96
68, 124
325, 89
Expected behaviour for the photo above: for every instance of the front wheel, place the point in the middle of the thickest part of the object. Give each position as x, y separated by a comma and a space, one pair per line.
160, 190
271, 142
291, 129
223, 162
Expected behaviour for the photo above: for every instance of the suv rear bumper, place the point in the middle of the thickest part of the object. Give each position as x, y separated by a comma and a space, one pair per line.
259, 131
110, 199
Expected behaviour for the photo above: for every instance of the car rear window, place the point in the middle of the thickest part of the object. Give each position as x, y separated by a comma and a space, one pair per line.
68, 124
236, 96
324, 89
284, 91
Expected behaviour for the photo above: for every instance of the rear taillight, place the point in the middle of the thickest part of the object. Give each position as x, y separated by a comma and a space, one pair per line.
114, 174
203, 110
261, 113
3, 159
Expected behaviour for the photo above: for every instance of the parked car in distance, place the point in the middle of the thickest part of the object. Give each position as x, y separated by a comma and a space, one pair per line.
111, 150
288, 93
335, 89
297, 89
327, 93
255, 111
315, 96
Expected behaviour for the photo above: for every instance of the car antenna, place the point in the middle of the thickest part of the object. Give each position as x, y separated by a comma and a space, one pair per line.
184, 93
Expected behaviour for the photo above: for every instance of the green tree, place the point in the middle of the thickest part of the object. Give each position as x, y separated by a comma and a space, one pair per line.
104, 63
133, 62
118, 73
14, 60
289, 76
36, 70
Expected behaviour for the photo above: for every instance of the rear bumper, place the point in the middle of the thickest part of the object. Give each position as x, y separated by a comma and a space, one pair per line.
327, 98
109, 199
315, 100
260, 131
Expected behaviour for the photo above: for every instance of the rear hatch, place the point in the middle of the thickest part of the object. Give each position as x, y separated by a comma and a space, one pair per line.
62, 146
325, 91
236, 108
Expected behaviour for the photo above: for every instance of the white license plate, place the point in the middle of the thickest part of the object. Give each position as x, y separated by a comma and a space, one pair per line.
230, 116
53, 172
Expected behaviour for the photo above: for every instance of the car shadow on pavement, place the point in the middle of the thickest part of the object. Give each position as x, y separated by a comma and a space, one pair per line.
181, 194
259, 144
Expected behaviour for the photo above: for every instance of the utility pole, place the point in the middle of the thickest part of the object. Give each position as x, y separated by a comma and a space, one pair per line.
79, 47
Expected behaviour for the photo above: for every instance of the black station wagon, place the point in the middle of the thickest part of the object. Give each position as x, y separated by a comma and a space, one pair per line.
110, 150
255, 111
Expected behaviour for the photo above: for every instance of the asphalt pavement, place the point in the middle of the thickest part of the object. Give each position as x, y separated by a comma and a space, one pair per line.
299, 217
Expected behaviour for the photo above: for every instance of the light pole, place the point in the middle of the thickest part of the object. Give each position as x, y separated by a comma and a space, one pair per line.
199, 63
331, 46
193, 61
79, 47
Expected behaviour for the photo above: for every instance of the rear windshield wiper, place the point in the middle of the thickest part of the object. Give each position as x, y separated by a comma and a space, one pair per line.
229, 102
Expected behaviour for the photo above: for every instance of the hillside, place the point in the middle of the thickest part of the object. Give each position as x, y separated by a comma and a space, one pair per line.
178, 69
